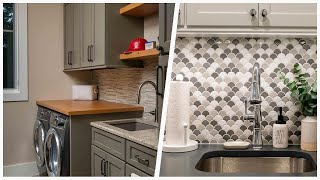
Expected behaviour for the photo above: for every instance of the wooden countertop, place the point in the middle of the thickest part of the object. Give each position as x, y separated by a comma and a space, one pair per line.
70, 107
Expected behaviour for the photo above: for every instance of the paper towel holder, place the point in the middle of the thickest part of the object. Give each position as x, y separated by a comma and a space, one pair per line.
188, 145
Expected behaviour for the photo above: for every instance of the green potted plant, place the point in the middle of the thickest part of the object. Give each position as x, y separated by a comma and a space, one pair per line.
305, 95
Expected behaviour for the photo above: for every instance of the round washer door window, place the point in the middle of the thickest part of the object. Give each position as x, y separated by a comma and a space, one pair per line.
53, 153
38, 142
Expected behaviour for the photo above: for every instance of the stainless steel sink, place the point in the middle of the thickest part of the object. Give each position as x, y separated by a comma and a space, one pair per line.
255, 162
132, 126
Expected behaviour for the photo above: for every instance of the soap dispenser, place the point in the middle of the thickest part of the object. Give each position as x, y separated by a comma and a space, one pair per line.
280, 132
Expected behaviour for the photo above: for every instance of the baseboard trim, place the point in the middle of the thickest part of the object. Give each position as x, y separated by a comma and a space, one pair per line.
25, 169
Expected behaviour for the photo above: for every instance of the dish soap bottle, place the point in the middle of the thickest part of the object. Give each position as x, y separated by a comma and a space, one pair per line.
280, 132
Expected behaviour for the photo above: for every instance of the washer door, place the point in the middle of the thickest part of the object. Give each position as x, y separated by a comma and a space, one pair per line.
38, 142
53, 153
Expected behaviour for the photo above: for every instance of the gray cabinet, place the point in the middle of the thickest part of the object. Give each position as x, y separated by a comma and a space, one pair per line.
166, 12
132, 171
96, 34
112, 155
141, 157
104, 164
72, 37
98, 157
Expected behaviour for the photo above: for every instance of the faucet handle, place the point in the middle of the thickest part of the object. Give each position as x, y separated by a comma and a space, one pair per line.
245, 106
247, 116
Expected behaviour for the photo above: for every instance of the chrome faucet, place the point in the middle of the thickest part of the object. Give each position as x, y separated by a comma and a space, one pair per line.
139, 98
255, 101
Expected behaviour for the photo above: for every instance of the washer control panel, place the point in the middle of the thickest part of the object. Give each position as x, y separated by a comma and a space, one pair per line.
58, 120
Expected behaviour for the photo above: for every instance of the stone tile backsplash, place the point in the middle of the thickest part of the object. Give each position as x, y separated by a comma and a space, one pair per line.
220, 70
121, 85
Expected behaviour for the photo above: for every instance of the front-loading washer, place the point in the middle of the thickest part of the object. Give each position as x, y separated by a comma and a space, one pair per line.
41, 126
57, 146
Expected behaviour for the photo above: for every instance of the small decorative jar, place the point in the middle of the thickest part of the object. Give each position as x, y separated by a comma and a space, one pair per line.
309, 133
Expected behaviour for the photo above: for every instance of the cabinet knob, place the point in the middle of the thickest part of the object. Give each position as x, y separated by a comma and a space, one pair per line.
264, 13
253, 12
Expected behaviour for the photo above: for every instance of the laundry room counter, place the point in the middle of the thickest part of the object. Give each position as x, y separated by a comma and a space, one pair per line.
72, 108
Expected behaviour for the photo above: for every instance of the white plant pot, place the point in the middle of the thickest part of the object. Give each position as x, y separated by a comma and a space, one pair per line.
309, 133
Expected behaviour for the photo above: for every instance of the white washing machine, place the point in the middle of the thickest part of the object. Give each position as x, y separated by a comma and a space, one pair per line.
40, 129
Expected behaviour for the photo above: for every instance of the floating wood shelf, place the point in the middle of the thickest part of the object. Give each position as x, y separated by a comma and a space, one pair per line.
140, 9
140, 55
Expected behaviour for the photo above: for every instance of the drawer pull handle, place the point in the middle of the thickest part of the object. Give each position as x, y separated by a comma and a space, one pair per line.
142, 161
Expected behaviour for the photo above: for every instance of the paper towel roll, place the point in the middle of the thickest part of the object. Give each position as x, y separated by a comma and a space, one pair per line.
178, 112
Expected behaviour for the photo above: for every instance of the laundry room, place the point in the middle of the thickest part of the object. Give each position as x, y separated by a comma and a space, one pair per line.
83, 87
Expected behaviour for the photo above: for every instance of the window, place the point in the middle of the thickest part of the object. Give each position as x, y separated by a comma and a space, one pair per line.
15, 52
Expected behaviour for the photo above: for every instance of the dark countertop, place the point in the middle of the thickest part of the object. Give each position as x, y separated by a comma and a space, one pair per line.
183, 164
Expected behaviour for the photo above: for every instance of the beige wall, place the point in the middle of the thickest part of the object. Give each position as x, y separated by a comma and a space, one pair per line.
46, 80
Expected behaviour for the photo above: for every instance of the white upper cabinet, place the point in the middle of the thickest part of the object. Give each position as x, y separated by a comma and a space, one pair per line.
248, 18
288, 15
181, 20
237, 14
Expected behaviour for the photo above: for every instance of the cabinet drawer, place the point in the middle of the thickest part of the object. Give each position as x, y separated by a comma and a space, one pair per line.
141, 157
112, 144
130, 170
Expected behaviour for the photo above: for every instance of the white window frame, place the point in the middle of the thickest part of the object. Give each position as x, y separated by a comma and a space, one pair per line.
20, 92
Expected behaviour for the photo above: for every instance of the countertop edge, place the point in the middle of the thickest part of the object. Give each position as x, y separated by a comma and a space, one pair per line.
82, 112
116, 131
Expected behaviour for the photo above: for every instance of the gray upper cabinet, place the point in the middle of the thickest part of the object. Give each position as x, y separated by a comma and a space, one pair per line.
72, 37
93, 25
96, 34
166, 12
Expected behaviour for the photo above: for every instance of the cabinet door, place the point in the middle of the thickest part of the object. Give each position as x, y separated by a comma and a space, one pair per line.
221, 14
97, 161
87, 11
181, 19
132, 171
115, 166
166, 11
288, 15
69, 8
98, 48
76, 55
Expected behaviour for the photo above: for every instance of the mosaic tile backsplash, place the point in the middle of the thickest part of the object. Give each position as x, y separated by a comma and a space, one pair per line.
220, 70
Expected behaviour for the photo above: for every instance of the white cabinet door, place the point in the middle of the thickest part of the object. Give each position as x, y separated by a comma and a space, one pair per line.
288, 15
181, 19
221, 14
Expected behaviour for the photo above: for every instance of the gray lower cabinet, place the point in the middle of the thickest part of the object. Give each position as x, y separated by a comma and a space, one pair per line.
132, 171
96, 34
104, 164
97, 161
112, 155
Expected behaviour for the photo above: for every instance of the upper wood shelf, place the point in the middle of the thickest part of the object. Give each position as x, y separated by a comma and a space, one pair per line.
140, 9
140, 55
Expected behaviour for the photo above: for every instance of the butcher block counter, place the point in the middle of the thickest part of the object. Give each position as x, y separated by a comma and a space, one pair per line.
71, 108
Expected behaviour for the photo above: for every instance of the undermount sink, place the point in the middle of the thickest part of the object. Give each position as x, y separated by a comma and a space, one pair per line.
266, 162
132, 126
